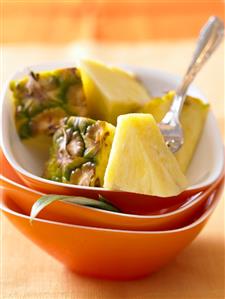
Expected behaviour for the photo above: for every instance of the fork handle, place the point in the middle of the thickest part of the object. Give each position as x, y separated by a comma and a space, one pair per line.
210, 37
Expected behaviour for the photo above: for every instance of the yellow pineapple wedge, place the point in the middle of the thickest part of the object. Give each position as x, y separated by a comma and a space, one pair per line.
140, 161
158, 106
192, 119
110, 91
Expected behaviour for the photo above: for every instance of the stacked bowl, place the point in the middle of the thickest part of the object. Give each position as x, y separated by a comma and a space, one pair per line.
147, 233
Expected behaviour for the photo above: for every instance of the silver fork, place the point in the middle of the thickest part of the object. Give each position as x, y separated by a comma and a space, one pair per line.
210, 37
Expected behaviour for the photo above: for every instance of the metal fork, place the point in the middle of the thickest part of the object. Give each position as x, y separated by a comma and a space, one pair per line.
210, 37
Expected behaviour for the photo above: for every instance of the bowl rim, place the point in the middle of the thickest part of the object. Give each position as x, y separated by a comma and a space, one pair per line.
30, 176
199, 197
203, 217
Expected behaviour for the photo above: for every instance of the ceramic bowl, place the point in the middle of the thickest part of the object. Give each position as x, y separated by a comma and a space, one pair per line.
205, 167
65, 212
106, 253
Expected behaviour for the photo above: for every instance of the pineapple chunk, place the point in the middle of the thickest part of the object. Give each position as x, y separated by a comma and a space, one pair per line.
140, 161
158, 106
42, 99
110, 91
192, 119
80, 152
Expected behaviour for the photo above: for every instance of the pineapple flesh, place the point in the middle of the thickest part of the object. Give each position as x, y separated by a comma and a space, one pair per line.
110, 91
42, 99
140, 161
158, 106
80, 151
193, 116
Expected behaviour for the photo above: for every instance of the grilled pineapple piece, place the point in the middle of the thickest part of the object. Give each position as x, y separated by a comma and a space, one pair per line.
140, 161
192, 119
80, 151
110, 91
42, 99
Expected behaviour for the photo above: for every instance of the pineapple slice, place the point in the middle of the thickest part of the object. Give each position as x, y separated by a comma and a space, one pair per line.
140, 161
80, 152
42, 99
110, 91
158, 106
192, 119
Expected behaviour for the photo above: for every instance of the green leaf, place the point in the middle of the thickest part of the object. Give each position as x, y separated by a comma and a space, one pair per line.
46, 200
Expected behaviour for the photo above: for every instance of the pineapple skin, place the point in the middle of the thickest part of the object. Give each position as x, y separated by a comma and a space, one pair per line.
140, 161
42, 99
103, 99
80, 151
193, 117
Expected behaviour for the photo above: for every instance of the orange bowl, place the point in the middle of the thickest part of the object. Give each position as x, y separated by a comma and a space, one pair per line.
106, 253
81, 215
126, 202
